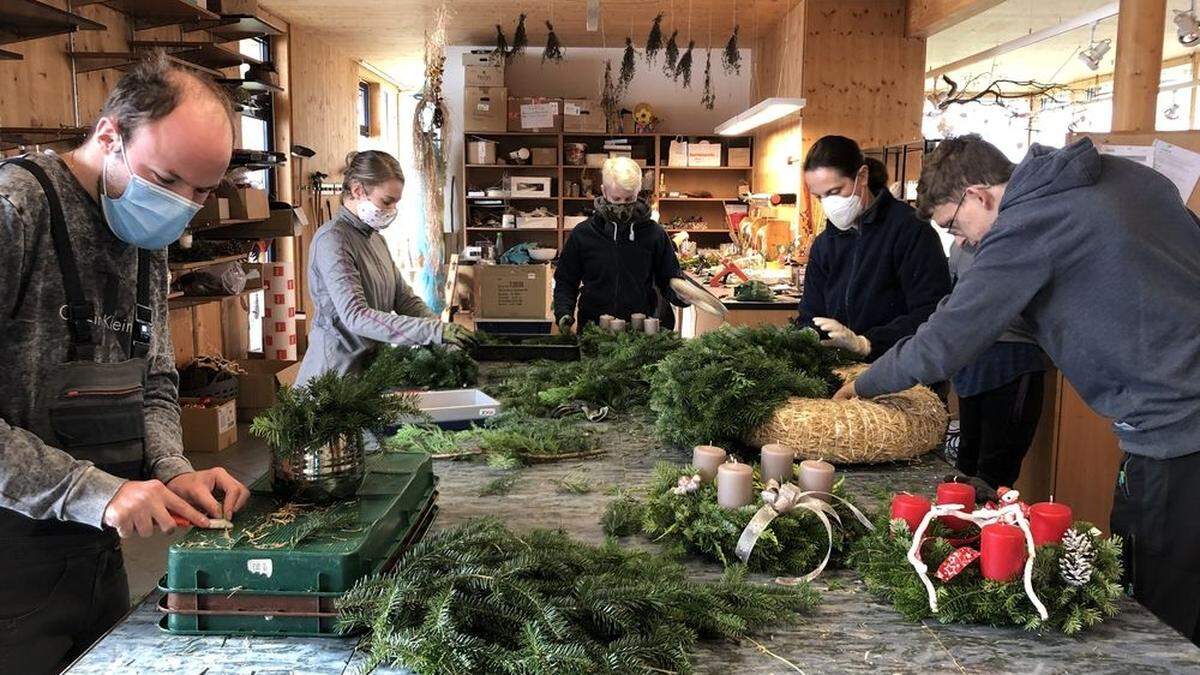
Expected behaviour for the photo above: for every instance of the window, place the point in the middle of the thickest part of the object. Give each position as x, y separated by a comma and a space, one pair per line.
364, 109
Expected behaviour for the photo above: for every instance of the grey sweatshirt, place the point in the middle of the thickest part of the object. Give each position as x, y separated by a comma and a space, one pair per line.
1102, 258
38, 480
362, 300
961, 259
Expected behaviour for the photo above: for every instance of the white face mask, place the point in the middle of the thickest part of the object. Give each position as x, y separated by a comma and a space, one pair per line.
374, 217
843, 211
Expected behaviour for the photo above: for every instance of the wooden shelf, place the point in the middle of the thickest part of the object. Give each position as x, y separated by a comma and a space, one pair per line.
699, 199
579, 199
253, 86
513, 166
22, 20
512, 199
231, 27
704, 168
201, 264
154, 13
87, 62
207, 54
17, 137
598, 134
512, 133
254, 228
185, 301
512, 229
697, 230
10, 56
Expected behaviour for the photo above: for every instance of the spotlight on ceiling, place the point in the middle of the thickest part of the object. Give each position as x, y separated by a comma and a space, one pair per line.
1187, 26
1094, 53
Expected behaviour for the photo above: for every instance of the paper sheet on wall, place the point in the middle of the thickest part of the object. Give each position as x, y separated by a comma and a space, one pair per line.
1142, 154
538, 115
1180, 165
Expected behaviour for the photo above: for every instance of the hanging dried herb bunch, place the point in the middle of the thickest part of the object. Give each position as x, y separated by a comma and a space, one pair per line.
671, 56
501, 50
683, 69
520, 38
732, 58
554, 50
628, 63
654, 41
610, 98
709, 99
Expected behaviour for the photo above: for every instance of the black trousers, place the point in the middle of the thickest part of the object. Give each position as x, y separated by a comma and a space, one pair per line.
1155, 509
56, 599
996, 428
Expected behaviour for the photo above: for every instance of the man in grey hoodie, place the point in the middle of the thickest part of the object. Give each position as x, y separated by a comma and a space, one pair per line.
1102, 258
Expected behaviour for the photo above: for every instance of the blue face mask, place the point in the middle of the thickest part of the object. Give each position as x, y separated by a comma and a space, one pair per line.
148, 216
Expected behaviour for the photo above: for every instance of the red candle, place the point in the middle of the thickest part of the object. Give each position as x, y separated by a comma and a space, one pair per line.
910, 508
1048, 521
956, 493
1001, 552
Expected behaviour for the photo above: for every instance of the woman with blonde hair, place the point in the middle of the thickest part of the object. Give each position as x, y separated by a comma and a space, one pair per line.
361, 298
619, 260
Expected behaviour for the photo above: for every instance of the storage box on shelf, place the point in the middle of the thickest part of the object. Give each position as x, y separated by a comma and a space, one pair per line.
534, 113
512, 291
581, 114
485, 108
484, 76
208, 426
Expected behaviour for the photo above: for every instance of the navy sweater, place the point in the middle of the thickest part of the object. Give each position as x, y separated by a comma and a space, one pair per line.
607, 272
1102, 258
881, 280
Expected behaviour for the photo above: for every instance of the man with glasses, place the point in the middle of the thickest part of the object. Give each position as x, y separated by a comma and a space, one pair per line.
1102, 258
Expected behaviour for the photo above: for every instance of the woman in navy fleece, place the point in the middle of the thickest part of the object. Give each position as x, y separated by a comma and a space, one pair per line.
877, 271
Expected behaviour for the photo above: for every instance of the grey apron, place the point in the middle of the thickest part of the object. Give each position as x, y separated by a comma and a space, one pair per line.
66, 584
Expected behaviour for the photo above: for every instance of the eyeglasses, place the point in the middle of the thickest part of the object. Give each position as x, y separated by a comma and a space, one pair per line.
949, 226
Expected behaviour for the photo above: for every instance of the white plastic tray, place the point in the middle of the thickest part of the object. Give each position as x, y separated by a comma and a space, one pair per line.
457, 406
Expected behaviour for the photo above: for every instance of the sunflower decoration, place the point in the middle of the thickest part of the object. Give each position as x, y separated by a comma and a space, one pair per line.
644, 119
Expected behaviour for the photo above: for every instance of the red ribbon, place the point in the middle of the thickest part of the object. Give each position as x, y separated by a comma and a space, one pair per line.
956, 562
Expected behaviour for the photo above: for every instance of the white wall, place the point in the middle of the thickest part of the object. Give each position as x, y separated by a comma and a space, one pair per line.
581, 75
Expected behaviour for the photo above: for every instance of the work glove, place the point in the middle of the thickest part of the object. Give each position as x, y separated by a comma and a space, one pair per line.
455, 335
841, 337
565, 322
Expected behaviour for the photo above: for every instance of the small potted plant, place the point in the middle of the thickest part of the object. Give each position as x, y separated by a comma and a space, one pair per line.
316, 434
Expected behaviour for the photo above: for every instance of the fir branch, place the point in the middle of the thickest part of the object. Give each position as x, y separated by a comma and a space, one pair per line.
623, 516
426, 367
654, 41
499, 486
481, 598
554, 48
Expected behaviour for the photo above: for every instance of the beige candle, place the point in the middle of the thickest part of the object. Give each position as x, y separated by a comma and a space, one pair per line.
651, 325
706, 459
617, 325
816, 475
735, 485
605, 321
777, 462
637, 322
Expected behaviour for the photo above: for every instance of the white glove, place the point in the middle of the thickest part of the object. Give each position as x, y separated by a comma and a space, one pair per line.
842, 337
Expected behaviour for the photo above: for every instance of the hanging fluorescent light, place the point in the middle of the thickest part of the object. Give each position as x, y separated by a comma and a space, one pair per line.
1187, 27
765, 111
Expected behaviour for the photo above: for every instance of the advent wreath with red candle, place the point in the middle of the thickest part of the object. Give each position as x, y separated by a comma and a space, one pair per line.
1075, 574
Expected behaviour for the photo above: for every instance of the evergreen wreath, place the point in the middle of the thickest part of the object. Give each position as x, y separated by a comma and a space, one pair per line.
692, 523
1075, 603
722, 385
427, 367
480, 598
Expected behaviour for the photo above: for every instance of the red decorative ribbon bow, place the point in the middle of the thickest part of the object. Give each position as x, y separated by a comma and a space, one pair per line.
956, 562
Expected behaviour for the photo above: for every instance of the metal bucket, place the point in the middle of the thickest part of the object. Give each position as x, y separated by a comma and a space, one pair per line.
322, 474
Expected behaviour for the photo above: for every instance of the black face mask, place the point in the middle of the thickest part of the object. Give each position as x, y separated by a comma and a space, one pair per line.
623, 214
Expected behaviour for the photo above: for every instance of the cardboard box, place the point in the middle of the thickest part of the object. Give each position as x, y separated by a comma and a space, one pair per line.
704, 154
484, 76
249, 7
512, 291
256, 389
223, 207
210, 427
485, 109
571, 221
739, 157
210, 212
301, 334
534, 114
246, 203
529, 186
583, 115
481, 152
544, 156
480, 57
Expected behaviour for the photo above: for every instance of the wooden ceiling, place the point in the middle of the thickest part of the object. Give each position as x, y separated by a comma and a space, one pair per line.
393, 30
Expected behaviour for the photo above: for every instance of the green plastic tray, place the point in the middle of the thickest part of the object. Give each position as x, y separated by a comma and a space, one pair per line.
397, 486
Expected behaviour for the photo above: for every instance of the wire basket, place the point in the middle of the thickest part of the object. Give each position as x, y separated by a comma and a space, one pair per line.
321, 474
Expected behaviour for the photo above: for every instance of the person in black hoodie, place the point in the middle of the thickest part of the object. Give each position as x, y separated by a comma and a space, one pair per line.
618, 261
877, 271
